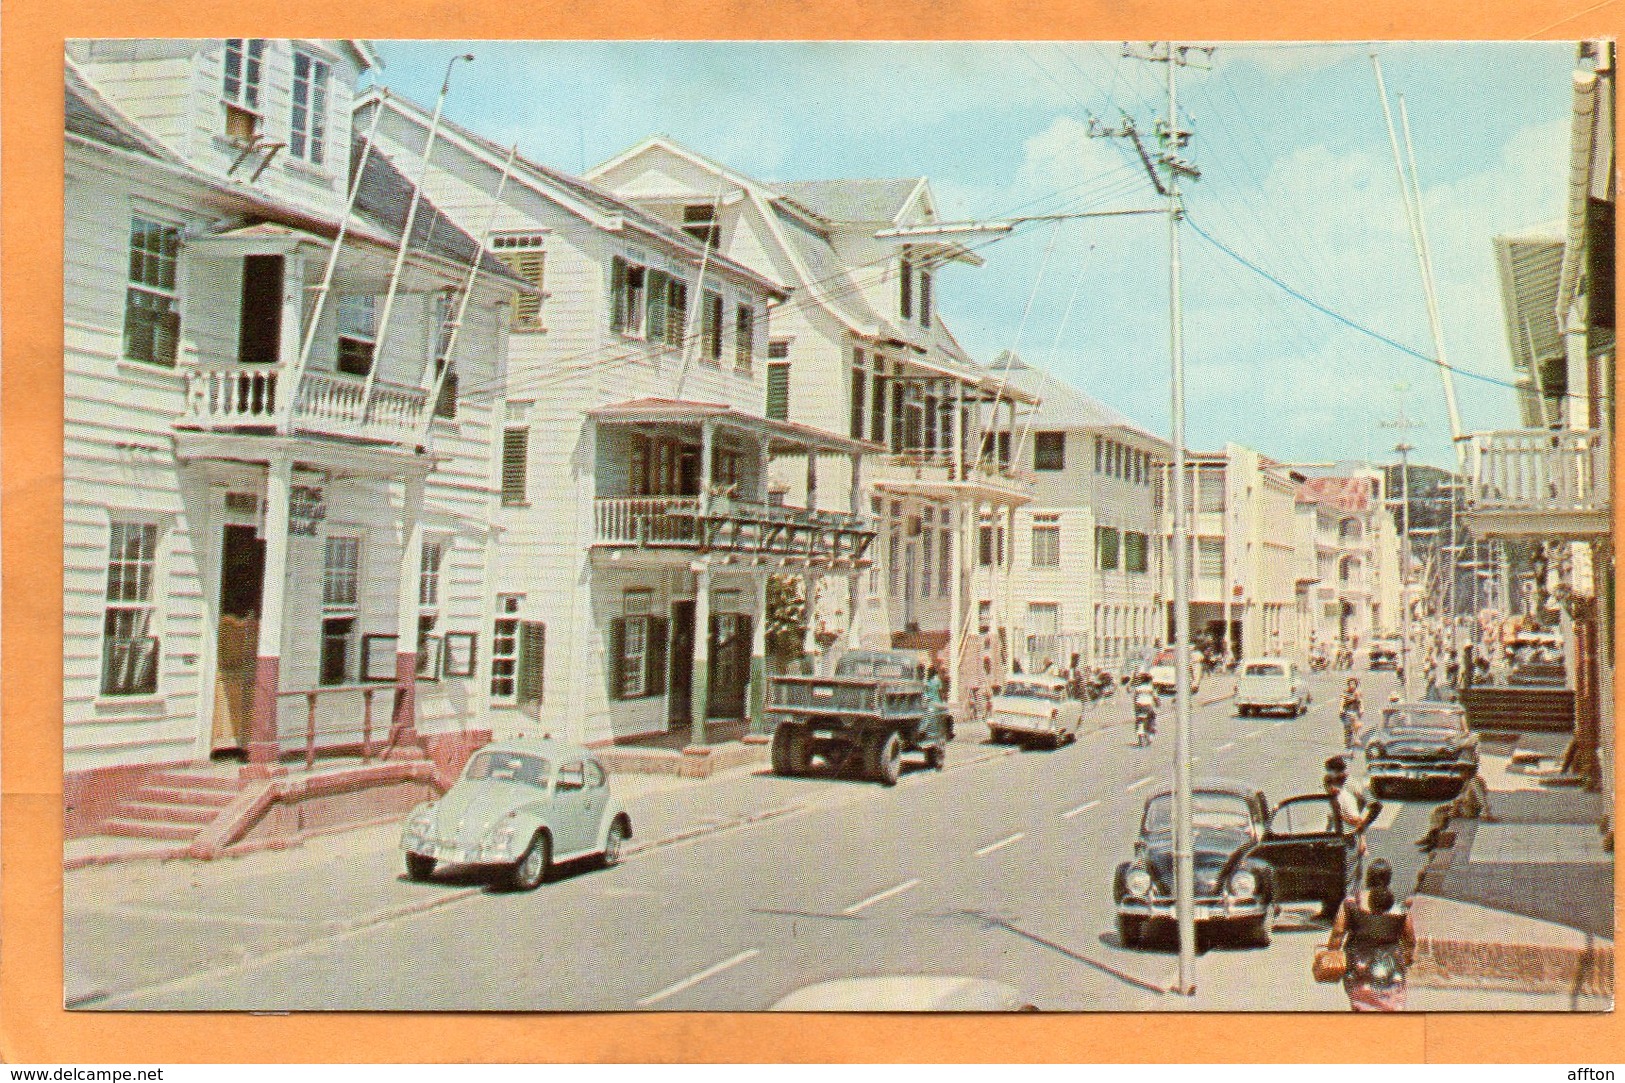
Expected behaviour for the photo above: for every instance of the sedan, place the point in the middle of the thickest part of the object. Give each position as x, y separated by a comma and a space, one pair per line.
1420, 744
520, 807
1035, 709
1249, 859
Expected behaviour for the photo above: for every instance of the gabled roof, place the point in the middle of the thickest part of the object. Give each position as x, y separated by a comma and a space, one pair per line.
866, 200
1063, 406
89, 115
600, 207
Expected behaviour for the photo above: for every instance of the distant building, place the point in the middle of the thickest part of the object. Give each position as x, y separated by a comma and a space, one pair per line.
1353, 592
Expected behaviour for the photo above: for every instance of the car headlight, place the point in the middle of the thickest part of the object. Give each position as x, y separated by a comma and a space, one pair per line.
1137, 882
421, 822
1243, 884
499, 839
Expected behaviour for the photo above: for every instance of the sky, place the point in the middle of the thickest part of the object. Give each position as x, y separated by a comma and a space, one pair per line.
1297, 177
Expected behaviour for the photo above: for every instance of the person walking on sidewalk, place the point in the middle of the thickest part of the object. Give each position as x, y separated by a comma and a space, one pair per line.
1374, 931
1351, 816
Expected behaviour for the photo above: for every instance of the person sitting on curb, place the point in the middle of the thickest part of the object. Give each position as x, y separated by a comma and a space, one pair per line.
1472, 803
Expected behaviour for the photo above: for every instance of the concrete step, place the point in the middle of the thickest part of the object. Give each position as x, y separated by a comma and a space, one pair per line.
148, 829
198, 781
168, 813
185, 795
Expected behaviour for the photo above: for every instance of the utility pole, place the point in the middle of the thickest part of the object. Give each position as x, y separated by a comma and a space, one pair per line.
1402, 423
1173, 139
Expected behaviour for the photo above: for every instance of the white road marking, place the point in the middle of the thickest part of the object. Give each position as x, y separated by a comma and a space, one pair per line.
690, 982
1250, 736
1138, 783
1226, 747
888, 893
1080, 810
1001, 844
1385, 818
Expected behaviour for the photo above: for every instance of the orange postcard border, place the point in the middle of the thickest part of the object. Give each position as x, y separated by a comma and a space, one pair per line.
35, 1029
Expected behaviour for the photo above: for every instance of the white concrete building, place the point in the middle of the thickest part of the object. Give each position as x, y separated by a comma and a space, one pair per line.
860, 347
1354, 591
1087, 581
635, 496
276, 508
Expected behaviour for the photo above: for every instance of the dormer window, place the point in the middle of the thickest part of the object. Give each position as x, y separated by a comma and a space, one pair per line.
307, 136
240, 87
700, 222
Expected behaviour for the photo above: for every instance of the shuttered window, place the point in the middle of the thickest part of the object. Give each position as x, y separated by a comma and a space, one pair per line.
1046, 541
925, 299
711, 326
525, 258
515, 450
778, 391
744, 336
905, 285
532, 661
1136, 549
1106, 548
637, 652
858, 391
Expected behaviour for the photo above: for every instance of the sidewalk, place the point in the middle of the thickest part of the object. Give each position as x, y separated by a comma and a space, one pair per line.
1524, 901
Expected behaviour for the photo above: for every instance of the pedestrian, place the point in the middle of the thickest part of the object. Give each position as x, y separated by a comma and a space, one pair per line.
1375, 933
1353, 708
933, 685
1350, 819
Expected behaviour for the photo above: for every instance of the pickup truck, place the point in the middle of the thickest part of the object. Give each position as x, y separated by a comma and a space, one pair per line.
864, 718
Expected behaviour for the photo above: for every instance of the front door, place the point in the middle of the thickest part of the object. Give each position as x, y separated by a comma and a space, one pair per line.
680, 665
1304, 844
730, 664
242, 569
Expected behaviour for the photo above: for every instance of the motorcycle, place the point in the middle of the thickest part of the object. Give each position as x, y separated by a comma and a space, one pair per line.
1351, 725
1100, 685
1318, 660
1145, 719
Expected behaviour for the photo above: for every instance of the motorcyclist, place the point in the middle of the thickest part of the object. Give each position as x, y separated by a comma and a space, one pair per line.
1145, 713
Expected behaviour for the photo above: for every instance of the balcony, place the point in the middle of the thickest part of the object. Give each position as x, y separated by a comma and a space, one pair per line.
1538, 483
794, 536
254, 399
940, 474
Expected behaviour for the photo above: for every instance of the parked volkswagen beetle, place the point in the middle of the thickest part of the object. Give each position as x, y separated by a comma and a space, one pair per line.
522, 807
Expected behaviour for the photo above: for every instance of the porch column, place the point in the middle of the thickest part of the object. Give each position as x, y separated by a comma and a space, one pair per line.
290, 337
1010, 583
1011, 429
852, 610
809, 636
758, 659
812, 479
956, 604
403, 722
262, 728
708, 431
700, 685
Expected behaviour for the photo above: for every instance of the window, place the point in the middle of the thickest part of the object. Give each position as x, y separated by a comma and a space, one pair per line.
877, 405
1049, 451
1106, 538
637, 652
532, 661
129, 647
1043, 618
778, 390
338, 635
996, 447
990, 546
341, 568
859, 377
1100, 449
944, 567
1210, 558
894, 561
1210, 489
1046, 541
711, 326
515, 448
152, 319
358, 332
700, 222
525, 256
925, 298
434, 554
627, 294
240, 87
676, 311
307, 136
984, 617
744, 336
1136, 547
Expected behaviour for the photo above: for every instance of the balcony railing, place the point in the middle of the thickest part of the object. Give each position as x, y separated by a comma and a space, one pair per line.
1562, 475
730, 525
944, 466
236, 398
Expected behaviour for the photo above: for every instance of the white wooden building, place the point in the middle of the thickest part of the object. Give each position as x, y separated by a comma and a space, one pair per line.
860, 347
275, 506
1088, 549
635, 497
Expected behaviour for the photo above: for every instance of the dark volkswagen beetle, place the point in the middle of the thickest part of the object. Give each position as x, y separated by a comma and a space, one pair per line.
1249, 860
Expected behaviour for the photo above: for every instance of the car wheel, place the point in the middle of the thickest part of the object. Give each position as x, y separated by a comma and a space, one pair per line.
1130, 930
889, 759
1244, 711
797, 752
996, 736
418, 867
936, 757
530, 870
613, 842
781, 750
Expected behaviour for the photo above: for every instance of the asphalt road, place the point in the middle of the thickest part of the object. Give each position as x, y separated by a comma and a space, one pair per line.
997, 868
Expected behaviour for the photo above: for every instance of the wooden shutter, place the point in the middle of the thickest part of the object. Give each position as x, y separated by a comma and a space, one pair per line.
515, 448
166, 337
532, 661
778, 391
655, 652
617, 651
531, 265
617, 292
656, 281
677, 314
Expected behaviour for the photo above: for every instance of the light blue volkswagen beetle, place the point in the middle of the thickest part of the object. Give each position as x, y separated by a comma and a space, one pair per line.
523, 806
